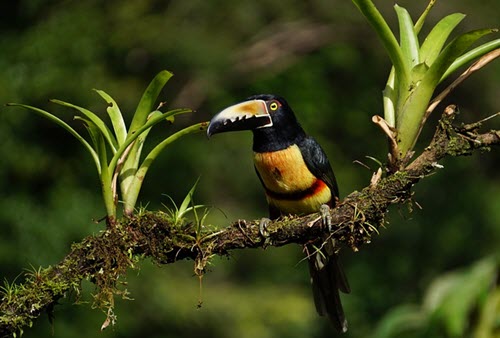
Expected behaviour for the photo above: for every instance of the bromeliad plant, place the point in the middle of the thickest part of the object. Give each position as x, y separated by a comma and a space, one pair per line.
418, 68
117, 153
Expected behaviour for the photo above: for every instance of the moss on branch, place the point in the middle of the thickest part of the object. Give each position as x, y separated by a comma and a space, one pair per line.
104, 257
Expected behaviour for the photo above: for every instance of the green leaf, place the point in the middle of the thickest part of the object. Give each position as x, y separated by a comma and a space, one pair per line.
421, 20
144, 108
418, 72
105, 176
151, 122
390, 98
132, 162
148, 99
453, 297
390, 43
173, 212
489, 316
452, 51
436, 39
115, 116
206, 212
153, 154
408, 37
96, 120
97, 139
94, 132
470, 56
412, 108
402, 319
133, 191
63, 124
109, 195
187, 200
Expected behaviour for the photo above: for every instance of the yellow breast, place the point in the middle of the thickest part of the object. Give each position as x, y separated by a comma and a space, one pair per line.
284, 171
290, 186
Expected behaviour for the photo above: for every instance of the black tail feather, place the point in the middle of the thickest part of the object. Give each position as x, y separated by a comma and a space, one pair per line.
327, 279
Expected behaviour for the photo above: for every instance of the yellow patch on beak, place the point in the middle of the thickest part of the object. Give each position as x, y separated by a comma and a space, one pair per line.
242, 116
255, 108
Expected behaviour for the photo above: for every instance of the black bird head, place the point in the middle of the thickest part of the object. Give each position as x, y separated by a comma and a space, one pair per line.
269, 117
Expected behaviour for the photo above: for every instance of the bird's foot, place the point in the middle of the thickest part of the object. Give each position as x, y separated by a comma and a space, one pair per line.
326, 217
263, 230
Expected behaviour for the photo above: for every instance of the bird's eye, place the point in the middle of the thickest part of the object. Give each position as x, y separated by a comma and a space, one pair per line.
273, 105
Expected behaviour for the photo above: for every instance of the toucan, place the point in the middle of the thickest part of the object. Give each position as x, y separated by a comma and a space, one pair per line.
297, 179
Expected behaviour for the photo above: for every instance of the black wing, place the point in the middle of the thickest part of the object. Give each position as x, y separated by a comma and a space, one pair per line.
327, 275
318, 164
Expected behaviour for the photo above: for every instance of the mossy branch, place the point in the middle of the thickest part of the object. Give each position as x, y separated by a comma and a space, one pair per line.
105, 257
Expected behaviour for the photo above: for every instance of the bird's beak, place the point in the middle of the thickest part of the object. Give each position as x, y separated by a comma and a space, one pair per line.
242, 116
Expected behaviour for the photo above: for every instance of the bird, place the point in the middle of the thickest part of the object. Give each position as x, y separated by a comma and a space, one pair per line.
297, 179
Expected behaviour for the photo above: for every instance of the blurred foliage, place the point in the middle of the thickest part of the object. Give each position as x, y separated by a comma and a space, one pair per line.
448, 302
333, 79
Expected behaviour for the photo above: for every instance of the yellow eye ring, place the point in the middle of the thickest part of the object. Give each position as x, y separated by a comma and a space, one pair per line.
273, 105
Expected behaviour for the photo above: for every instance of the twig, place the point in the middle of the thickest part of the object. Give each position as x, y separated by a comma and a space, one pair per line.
391, 135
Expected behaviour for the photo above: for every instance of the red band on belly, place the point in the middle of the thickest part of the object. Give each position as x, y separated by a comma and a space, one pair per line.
315, 188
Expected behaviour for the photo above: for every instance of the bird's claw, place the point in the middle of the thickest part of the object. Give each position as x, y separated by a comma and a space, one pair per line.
263, 230
263, 227
326, 217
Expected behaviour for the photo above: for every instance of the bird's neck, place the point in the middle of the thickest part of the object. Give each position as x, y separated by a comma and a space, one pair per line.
277, 137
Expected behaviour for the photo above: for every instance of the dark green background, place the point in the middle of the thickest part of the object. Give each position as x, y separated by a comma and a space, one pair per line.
50, 192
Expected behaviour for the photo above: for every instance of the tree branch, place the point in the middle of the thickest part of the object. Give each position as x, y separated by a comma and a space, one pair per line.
105, 257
